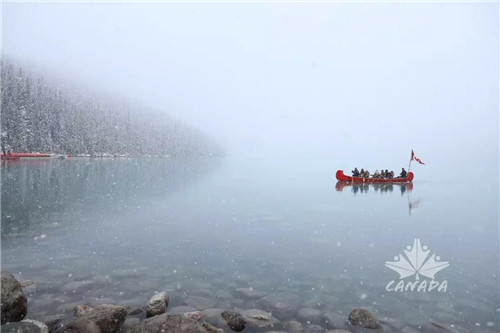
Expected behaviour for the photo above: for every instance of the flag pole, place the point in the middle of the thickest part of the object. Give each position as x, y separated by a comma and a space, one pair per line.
409, 164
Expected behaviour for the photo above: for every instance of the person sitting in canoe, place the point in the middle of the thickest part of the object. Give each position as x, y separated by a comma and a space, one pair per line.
376, 174
403, 173
355, 172
366, 174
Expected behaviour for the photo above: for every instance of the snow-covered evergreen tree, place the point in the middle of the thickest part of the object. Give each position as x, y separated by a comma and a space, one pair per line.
38, 117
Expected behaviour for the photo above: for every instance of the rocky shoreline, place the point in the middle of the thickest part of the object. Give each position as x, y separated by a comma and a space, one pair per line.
157, 315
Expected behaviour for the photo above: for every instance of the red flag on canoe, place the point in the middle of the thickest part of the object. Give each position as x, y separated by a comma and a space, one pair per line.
415, 158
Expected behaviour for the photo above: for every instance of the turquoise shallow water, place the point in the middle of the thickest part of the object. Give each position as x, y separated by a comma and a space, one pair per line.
117, 230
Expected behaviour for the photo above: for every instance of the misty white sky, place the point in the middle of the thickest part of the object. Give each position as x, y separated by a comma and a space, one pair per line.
361, 81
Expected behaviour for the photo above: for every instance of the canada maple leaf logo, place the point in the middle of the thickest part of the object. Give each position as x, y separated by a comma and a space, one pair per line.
417, 259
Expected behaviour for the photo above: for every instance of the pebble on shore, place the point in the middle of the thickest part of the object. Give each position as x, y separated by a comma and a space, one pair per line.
108, 318
157, 304
363, 318
234, 320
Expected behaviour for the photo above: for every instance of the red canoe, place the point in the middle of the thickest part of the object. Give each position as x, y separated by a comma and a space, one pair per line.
9, 158
30, 155
16, 156
340, 176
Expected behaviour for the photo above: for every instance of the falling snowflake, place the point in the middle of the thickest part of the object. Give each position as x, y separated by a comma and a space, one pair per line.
416, 261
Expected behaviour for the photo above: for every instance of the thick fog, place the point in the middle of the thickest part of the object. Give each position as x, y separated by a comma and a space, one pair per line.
188, 156
359, 82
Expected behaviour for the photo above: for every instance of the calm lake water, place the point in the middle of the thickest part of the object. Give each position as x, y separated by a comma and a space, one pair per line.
116, 230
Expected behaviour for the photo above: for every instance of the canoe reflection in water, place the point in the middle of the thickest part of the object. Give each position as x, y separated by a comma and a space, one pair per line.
360, 187
380, 188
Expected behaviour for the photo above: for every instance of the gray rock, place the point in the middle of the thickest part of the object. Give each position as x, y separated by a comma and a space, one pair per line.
363, 318
237, 303
134, 311
310, 314
435, 327
181, 309
393, 323
67, 307
43, 328
283, 311
234, 320
129, 324
213, 316
157, 304
25, 326
223, 293
250, 293
258, 318
212, 312
211, 329
75, 286
283, 297
315, 329
386, 328
312, 303
81, 310
444, 317
283, 305
101, 300
408, 329
335, 320
80, 326
199, 303
294, 326
54, 321
44, 303
169, 323
195, 315
109, 318
21, 327
14, 303
28, 286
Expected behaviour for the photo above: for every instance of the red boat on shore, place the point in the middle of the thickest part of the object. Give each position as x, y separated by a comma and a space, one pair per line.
16, 156
30, 155
341, 177
9, 158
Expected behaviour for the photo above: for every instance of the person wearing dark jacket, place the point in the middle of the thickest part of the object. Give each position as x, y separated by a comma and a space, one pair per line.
355, 172
403, 173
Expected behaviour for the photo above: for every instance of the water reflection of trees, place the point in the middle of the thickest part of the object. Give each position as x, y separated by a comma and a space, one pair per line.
380, 188
35, 191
